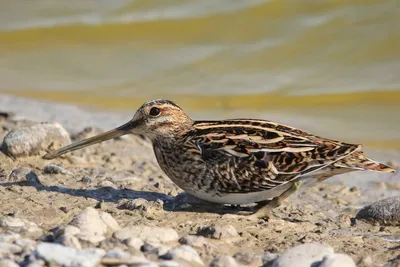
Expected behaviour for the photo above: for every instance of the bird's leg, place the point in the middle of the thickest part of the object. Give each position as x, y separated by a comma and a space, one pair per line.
265, 207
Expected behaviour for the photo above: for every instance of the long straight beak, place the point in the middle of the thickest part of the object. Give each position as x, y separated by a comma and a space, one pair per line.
120, 131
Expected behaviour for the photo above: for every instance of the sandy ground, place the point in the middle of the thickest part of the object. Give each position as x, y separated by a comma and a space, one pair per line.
107, 175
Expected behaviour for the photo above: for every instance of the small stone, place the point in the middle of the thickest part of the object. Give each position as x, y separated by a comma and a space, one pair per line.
56, 169
140, 204
12, 222
32, 140
217, 231
27, 245
68, 257
9, 237
70, 230
69, 241
23, 175
154, 249
246, 258
8, 263
169, 264
268, 258
36, 263
134, 242
185, 255
111, 223
117, 253
90, 238
193, 241
224, 261
385, 212
304, 255
90, 221
147, 233
337, 260
7, 248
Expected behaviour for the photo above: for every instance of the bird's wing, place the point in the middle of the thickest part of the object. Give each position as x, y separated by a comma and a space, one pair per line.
261, 154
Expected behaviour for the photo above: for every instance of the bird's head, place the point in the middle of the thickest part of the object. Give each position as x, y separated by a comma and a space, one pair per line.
154, 119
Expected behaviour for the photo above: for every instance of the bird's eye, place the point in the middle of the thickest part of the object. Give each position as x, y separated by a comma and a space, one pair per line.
154, 111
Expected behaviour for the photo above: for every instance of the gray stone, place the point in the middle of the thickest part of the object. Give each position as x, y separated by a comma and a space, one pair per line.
155, 249
384, 212
147, 233
122, 259
91, 221
32, 140
247, 258
224, 261
8, 263
193, 241
36, 263
23, 175
25, 227
184, 254
12, 222
337, 260
68, 257
217, 231
141, 205
304, 255
117, 253
56, 169
27, 245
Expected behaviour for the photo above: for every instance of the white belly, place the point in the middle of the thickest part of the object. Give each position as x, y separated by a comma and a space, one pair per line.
240, 198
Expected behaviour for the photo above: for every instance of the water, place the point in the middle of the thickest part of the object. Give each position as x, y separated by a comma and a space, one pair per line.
332, 66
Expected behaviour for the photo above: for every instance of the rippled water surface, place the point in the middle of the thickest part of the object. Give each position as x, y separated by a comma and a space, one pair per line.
333, 65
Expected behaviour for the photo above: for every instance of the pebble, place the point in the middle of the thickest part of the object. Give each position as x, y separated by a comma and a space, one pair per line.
185, 255
304, 255
9, 237
117, 253
23, 175
217, 231
134, 242
224, 261
193, 241
27, 228
385, 212
7, 248
32, 140
147, 233
8, 263
56, 169
154, 249
91, 221
337, 260
169, 264
68, 257
246, 258
140, 204
90, 238
69, 241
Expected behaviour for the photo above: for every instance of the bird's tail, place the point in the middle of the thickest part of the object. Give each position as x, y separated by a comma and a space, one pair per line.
359, 161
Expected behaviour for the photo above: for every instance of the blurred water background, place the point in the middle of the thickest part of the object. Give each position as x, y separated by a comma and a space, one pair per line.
333, 65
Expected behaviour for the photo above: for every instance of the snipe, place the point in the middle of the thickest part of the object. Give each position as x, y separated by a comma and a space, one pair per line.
237, 161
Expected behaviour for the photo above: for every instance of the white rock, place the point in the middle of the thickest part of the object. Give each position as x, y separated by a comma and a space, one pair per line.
69, 241
218, 231
31, 140
89, 221
90, 238
193, 241
304, 255
8, 263
68, 257
117, 253
9, 237
337, 260
111, 223
169, 264
134, 242
147, 233
12, 222
6, 248
185, 254
71, 230
224, 261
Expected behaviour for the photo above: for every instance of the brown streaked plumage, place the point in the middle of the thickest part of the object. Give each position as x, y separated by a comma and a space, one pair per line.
236, 161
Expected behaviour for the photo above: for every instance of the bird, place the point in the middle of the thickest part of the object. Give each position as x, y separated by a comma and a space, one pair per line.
235, 161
